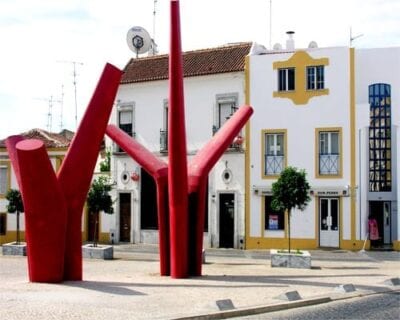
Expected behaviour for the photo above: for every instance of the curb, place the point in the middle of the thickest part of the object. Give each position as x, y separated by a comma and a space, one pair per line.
281, 306
257, 310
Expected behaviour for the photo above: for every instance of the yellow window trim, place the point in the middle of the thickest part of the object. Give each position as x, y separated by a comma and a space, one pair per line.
300, 60
6, 164
328, 176
272, 131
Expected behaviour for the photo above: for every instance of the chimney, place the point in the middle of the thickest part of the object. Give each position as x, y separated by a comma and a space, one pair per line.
290, 40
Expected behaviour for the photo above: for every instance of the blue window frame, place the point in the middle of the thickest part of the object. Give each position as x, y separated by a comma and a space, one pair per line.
380, 142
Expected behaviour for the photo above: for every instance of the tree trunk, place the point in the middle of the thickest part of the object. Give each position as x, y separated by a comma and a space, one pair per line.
96, 222
18, 239
289, 228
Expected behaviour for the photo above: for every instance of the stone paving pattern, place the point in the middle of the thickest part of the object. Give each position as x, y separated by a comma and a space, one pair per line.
129, 287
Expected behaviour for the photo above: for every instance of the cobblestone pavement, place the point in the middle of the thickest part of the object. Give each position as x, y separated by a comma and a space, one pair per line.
130, 287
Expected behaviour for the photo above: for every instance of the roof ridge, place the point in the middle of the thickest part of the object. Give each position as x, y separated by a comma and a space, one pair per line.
47, 135
218, 48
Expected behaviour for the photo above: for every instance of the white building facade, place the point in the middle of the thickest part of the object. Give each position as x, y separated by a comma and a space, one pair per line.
333, 112
214, 82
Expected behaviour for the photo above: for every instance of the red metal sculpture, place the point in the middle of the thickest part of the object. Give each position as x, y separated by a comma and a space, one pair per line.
181, 236
54, 204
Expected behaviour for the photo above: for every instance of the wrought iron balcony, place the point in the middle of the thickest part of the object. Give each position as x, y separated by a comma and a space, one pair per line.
236, 145
117, 148
329, 164
163, 140
274, 164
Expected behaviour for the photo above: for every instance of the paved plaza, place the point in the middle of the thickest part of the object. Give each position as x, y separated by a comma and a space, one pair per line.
130, 287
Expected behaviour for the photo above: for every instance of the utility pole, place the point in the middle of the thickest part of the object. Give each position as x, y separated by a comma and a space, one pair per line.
74, 74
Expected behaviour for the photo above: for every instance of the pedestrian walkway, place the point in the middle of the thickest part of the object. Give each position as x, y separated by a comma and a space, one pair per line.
130, 287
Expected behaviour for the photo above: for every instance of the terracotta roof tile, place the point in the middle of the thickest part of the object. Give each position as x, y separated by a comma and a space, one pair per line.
50, 139
228, 58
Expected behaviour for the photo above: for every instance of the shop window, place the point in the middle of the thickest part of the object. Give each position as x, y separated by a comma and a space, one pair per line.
274, 220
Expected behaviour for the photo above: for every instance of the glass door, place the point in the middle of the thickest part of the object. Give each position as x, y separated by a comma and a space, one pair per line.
329, 222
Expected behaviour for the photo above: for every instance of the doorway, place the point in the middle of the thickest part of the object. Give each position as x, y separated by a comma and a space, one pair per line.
381, 212
226, 220
329, 222
124, 217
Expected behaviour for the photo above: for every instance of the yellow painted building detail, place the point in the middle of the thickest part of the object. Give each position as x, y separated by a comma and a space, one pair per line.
300, 61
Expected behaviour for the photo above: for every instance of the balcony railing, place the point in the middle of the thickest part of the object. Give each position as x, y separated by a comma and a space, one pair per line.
233, 145
163, 140
117, 148
329, 164
274, 164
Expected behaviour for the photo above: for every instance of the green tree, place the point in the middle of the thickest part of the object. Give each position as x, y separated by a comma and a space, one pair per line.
105, 165
290, 191
15, 204
99, 199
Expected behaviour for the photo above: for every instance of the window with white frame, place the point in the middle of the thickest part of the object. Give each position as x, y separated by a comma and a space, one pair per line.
164, 129
329, 153
126, 120
274, 153
315, 78
286, 79
3, 180
226, 106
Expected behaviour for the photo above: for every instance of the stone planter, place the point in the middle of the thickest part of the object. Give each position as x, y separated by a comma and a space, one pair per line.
99, 252
291, 260
13, 249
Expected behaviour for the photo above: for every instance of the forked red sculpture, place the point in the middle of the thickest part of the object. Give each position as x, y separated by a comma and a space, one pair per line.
54, 203
181, 227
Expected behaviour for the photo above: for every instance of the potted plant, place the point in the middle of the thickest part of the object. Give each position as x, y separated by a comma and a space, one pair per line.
290, 191
15, 205
99, 199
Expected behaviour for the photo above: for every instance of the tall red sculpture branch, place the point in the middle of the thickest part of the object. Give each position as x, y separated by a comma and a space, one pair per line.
54, 204
182, 247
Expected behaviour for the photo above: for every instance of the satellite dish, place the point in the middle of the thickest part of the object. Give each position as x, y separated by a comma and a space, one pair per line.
277, 46
313, 45
139, 40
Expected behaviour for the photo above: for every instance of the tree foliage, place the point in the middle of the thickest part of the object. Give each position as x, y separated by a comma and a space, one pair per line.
15, 203
98, 198
290, 191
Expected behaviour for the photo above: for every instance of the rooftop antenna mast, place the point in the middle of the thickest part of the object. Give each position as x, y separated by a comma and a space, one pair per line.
154, 20
352, 38
61, 107
74, 74
270, 24
50, 102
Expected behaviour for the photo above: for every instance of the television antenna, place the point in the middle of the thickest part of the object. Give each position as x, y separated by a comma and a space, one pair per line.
61, 107
74, 75
352, 38
50, 102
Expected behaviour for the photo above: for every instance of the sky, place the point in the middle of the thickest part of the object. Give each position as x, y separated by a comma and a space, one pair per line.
41, 40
